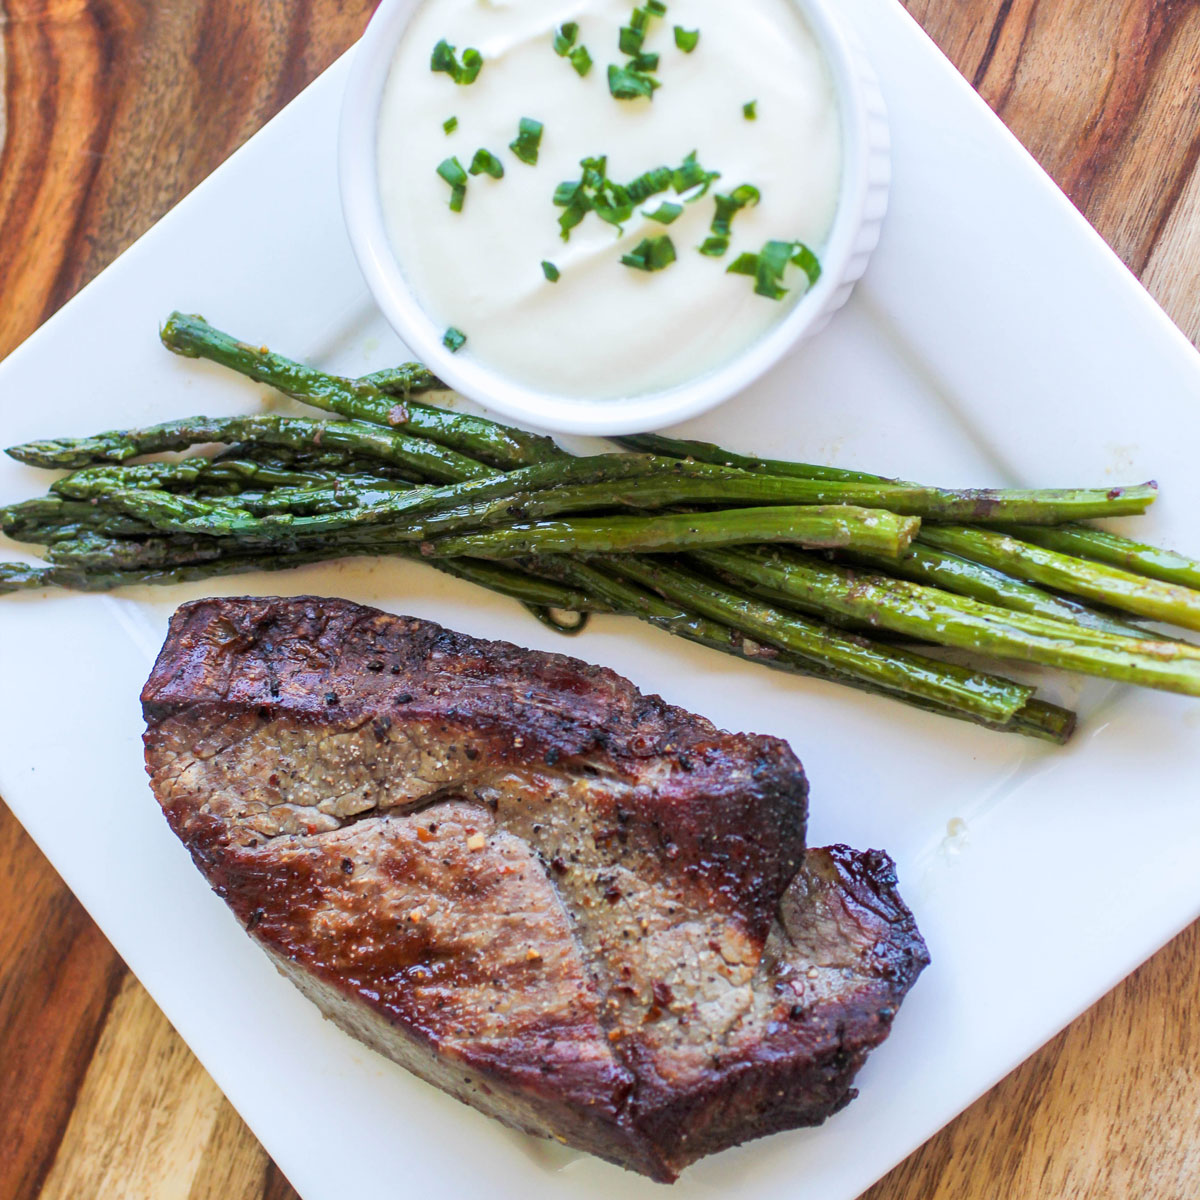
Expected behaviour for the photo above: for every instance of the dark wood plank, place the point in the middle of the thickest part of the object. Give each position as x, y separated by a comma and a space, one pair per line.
58, 976
118, 108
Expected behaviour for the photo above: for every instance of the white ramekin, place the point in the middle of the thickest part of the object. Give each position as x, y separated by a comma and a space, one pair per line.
865, 180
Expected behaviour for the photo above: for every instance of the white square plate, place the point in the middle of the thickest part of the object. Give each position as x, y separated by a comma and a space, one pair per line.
995, 341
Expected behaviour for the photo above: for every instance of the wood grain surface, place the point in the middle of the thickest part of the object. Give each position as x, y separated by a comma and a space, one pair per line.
110, 112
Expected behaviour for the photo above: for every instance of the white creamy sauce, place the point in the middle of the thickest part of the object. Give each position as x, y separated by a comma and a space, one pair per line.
604, 329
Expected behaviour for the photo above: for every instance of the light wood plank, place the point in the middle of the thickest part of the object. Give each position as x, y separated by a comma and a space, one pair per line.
144, 1117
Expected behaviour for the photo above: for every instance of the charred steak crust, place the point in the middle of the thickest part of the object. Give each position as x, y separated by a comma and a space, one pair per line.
575, 907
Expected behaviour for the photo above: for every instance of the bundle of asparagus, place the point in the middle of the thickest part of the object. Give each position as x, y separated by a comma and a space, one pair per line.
809, 569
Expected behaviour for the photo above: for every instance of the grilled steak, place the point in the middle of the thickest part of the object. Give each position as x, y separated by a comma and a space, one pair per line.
575, 907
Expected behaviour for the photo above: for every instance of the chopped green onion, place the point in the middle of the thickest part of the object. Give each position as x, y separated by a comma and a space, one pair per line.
649, 184
615, 203
595, 171
727, 208
807, 261
666, 213
768, 266
566, 192
634, 80
626, 83
564, 46
444, 59
451, 170
631, 39
691, 175
573, 197
486, 163
552, 273
772, 262
528, 141
450, 125
651, 254
454, 340
750, 110
687, 40
565, 38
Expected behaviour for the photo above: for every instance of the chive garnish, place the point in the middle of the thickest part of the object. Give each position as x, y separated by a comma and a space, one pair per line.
450, 125
528, 141
444, 59
625, 83
581, 60
564, 38
454, 340
691, 175
451, 170
651, 254
635, 80
768, 266
648, 184
615, 203
486, 163
807, 261
686, 39
666, 213
722, 225
750, 110
552, 273
631, 39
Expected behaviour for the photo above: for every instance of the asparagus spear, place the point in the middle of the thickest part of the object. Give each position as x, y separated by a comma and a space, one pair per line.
359, 399
1037, 719
1132, 556
496, 497
938, 568
533, 592
949, 620
942, 683
281, 458
976, 506
37, 520
205, 475
652, 443
1094, 581
815, 527
298, 433
405, 381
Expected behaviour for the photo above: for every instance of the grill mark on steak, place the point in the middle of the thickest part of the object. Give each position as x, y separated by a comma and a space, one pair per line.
574, 906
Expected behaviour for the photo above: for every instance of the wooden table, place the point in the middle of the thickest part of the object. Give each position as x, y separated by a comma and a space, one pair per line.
113, 110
